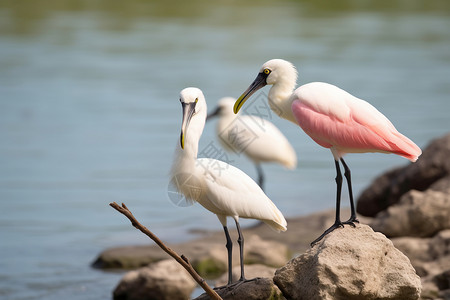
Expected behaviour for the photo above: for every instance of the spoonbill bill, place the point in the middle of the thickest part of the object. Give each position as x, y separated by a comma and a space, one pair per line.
257, 138
219, 187
333, 118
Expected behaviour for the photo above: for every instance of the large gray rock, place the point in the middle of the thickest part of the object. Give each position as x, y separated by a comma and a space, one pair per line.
164, 280
387, 189
255, 289
350, 263
420, 214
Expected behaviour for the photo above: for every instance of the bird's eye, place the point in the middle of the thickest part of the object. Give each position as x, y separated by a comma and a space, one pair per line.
266, 71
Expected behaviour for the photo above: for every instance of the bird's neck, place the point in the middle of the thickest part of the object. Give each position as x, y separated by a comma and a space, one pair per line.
185, 159
226, 120
280, 100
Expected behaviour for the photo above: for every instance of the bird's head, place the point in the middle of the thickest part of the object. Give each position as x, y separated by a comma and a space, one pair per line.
224, 107
193, 103
272, 72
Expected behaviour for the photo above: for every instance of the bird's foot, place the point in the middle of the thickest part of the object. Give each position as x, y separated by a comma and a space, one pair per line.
243, 280
337, 224
222, 286
351, 221
235, 284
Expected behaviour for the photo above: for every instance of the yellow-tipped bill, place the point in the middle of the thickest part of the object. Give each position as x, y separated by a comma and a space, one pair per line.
182, 139
188, 112
259, 82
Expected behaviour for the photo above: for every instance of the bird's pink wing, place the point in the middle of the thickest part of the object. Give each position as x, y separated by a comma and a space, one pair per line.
349, 125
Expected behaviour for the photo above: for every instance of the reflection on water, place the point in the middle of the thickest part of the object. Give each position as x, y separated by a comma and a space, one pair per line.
90, 113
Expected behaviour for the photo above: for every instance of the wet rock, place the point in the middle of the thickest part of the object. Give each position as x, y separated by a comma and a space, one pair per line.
350, 263
420, 214
254, 289
164, 280
129, 257
387, 189
251, 271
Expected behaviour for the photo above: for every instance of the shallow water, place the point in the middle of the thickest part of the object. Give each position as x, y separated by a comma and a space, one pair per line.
90, 114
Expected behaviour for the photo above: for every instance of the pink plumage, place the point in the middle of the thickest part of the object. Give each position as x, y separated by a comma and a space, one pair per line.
334, 119
347, 124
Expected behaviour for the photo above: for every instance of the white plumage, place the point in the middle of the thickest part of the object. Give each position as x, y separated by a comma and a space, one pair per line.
217, 186
257, 138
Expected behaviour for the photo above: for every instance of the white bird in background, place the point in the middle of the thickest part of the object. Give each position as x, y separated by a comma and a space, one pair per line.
333, 118
219, 187
257, 138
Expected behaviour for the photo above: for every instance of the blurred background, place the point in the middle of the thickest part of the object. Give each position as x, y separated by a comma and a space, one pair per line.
89, 114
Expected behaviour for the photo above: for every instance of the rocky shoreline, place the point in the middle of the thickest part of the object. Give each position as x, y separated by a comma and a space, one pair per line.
350, 263
211, 246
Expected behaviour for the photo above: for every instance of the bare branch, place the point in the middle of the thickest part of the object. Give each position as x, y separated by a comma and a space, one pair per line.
181, 260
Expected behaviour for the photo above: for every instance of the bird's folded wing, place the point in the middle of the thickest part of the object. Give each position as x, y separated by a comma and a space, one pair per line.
233, 191
363, 129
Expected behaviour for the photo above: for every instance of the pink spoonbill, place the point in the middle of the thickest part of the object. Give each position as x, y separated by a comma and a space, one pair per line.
333, 118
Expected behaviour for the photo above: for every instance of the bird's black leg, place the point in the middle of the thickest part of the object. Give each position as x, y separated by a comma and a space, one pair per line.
241, 250
260, 176
337, 222
229, 246
241, 254
353, 217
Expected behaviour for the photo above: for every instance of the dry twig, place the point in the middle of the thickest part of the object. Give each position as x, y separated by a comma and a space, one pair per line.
182, 260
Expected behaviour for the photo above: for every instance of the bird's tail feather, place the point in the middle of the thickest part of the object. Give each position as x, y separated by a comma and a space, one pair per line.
290, 159
406, 148
275, 226
278, 222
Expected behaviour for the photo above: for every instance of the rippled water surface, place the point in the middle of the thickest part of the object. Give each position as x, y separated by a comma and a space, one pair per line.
89, 114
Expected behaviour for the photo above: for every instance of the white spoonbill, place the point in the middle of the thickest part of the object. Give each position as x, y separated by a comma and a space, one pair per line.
333, 118
257, 138
219, 187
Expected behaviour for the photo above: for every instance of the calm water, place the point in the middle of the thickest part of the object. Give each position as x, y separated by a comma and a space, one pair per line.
89, 114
